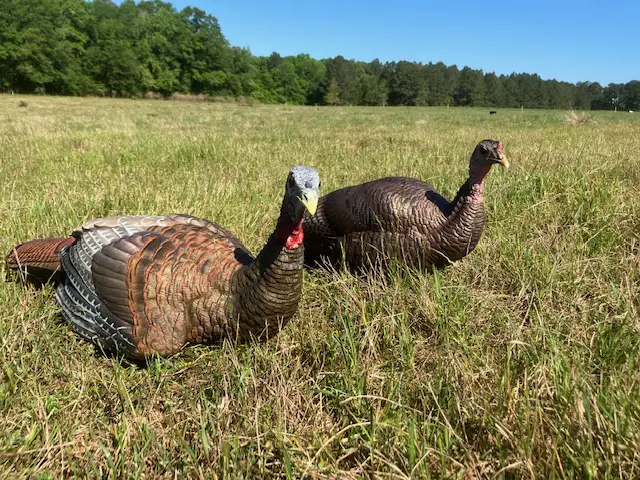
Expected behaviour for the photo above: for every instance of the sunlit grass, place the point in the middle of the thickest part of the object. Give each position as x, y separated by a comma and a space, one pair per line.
521, 360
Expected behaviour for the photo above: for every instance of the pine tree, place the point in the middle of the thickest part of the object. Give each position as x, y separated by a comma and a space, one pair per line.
332, 97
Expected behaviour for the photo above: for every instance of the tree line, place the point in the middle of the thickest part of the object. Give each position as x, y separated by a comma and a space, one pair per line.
78, 47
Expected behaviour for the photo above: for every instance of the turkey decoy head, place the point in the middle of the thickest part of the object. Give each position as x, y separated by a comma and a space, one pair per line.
489, 152
302, 192
486, 153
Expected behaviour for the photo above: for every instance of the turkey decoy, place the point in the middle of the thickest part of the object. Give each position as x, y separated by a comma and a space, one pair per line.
402, 219
149, 285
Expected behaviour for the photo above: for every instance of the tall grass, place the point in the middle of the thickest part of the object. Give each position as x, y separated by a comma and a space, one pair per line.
519, 361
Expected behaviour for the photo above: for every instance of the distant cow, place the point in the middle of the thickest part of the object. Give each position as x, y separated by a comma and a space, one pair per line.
492, 112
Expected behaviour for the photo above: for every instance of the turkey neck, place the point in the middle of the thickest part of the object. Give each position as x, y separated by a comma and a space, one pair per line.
465, 222
471, 191
270, 287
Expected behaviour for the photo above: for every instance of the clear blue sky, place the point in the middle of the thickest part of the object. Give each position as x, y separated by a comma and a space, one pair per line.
572, 40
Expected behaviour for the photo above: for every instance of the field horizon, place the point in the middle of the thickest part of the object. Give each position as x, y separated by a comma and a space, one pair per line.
519, 361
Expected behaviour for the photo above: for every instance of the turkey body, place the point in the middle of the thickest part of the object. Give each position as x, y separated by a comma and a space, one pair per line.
149, 285
397, 218
401, 219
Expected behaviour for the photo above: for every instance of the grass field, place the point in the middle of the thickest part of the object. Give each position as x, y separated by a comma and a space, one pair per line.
522, 360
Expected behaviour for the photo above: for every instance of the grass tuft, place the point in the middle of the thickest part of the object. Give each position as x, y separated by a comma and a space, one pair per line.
576, 118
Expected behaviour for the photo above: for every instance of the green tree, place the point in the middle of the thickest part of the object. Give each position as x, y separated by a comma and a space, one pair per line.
495, 93
111, 58
407, 85
373, 89
42, 46
208, 62
163, 42
332, 95
312, 73
560, 94
585, 93
439, 83
511, 91
274, 61
630, 95
609, 98
291, 87
470, 88
345, 74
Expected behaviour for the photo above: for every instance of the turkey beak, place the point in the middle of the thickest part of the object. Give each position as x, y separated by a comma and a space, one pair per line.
502, 160
310, 201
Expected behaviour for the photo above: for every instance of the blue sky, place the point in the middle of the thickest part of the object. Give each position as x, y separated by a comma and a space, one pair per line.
564, 39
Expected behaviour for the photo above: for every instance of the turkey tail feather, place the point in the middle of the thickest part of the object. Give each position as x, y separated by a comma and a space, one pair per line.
38, 261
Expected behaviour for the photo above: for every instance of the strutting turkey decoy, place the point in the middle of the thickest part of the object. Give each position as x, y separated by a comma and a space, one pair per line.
401, 219
149, 285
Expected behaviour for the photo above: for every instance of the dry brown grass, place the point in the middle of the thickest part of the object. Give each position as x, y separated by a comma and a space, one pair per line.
578, 118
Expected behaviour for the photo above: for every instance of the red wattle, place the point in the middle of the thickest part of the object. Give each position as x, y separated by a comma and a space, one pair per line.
295, 239
292, 235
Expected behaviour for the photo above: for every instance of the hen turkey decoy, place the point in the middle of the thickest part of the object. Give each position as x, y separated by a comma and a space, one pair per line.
149, 285
402, 219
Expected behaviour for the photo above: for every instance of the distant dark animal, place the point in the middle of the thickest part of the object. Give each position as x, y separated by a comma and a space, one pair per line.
492, 112
149, 285
403, 219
